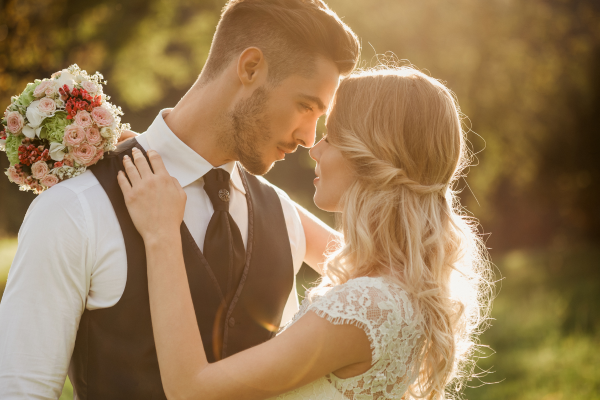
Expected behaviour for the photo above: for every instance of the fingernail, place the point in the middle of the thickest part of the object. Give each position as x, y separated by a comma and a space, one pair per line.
126, 157
136, 149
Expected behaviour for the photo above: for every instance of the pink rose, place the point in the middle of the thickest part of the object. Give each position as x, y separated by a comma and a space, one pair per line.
15, 176
99, 155
92, 135
50, 90
39, 169
40, 90
74, 134
90, 87
83, 118
84, 154
49, 180
14, 122
102, 116
47, 106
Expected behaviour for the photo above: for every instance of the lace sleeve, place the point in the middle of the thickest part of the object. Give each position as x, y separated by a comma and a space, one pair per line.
395, 332
368, 304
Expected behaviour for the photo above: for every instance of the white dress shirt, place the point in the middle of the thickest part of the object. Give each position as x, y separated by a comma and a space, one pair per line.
71, 256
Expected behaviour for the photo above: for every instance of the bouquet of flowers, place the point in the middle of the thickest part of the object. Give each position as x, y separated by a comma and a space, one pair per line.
57, 128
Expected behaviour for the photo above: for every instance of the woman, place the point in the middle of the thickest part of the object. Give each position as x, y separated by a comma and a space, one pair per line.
405, 292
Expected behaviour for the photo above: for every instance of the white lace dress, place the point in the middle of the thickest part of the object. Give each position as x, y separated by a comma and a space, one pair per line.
384, 311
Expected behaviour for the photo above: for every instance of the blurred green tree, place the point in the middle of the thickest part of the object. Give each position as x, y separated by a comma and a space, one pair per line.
526, 74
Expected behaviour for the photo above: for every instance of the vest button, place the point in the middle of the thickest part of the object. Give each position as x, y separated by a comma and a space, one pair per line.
231, 322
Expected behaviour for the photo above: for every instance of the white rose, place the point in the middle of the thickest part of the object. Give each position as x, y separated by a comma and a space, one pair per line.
66, 78
31, 131
106, 132
57, 151
34, 115
56, 85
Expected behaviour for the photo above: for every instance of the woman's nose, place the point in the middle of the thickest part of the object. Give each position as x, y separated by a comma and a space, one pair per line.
315, 151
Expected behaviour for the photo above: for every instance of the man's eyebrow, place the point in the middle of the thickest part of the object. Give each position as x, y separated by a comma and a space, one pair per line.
314, 100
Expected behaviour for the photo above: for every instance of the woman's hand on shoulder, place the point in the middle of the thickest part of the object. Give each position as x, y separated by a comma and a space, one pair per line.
155, 200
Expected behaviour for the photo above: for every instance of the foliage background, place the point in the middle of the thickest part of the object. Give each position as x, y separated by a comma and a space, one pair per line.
527, 75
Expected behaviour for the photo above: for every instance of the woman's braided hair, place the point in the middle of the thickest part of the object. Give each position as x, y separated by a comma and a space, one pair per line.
401, 131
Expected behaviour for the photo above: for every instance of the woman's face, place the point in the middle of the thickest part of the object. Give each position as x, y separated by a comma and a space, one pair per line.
334, 175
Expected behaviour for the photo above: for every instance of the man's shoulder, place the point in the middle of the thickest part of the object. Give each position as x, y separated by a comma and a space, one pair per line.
78, 184
68, 192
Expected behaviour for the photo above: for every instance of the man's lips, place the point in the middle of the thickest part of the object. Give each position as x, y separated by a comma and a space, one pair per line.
281, 153
284, 151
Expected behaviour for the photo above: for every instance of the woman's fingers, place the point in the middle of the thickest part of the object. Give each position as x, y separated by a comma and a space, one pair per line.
138, 169
124, 183
141, 163
179, 189
157, 163
132, 171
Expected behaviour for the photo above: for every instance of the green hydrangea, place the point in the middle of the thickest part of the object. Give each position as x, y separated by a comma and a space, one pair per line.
53, 128
12, 148
26, 98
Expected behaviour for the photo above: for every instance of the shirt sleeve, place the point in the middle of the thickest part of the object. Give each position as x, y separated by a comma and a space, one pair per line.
294, 228
45, 296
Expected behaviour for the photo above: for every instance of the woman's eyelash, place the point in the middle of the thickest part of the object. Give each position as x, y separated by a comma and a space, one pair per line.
306, 106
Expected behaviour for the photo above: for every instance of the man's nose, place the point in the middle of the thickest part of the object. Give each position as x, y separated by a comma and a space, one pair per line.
305, 135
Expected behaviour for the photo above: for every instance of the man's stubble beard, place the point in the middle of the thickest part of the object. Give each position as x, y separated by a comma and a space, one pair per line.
249, 132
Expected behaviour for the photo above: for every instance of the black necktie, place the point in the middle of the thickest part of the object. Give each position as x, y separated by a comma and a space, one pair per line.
223, 244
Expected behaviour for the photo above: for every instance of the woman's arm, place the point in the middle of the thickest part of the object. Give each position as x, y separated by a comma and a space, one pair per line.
309, 349
319, 237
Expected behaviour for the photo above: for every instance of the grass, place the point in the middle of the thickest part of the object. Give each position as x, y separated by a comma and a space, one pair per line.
546, 329
545, 334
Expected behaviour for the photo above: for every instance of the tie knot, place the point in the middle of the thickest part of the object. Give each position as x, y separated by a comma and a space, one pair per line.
216, 185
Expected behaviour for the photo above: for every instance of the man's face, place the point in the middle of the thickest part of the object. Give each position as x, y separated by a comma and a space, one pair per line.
273, 122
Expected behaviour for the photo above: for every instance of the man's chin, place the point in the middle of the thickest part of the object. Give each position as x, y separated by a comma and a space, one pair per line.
255, 168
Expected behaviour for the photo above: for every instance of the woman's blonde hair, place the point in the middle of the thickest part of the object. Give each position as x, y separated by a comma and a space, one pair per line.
401, 131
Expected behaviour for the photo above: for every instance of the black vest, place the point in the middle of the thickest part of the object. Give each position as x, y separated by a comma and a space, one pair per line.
114, 356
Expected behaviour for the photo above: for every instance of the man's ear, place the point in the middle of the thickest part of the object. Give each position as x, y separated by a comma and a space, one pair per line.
251, 66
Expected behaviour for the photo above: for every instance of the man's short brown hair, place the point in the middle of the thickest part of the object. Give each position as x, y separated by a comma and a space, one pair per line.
290, 33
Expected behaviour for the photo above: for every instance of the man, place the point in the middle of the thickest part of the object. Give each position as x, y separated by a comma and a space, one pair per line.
77, 297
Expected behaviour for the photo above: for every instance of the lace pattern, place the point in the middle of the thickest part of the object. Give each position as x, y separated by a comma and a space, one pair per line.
384, 311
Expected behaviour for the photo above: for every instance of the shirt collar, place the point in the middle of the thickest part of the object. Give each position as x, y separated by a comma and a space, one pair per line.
180, 160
